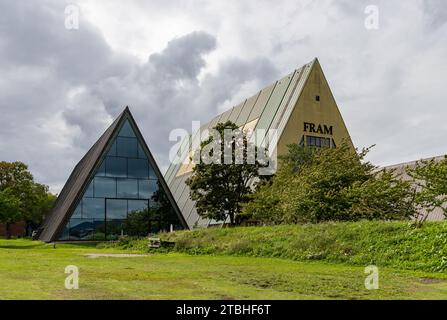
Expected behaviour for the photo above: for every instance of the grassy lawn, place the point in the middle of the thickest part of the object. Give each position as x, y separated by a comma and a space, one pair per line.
32, 270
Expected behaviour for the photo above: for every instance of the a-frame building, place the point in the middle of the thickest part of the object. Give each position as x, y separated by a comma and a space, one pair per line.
300, 107
116, 189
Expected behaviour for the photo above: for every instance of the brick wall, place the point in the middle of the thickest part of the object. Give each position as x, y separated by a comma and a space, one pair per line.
17, 229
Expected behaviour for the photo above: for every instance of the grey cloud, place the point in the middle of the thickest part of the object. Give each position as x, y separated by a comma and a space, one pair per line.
436, 11
60, 89
183, 57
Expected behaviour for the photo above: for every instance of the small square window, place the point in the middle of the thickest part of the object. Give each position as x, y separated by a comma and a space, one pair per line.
317, 98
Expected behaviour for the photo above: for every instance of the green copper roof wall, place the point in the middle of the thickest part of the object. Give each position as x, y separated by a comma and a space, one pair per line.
287, 98
236, 111
273, 103
296, 94
246, 110
261, 103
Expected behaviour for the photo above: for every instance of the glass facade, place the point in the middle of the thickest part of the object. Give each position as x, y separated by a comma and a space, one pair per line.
123, 197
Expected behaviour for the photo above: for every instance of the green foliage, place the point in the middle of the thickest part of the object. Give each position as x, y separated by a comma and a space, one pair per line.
9, 208
430, 177
220, 188
392, 244
316, 185
34, 199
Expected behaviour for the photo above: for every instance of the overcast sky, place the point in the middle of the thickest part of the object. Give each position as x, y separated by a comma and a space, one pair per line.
177, 61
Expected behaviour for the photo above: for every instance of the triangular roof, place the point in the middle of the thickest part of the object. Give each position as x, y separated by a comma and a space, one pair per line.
270, 108
85, 169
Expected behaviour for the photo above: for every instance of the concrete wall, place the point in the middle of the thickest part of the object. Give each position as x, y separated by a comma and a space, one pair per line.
309, 110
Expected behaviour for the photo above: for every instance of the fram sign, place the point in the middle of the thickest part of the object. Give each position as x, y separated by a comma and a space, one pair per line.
318, 128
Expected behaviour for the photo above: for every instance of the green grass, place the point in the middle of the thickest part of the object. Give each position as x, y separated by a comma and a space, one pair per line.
385, 244
33, 270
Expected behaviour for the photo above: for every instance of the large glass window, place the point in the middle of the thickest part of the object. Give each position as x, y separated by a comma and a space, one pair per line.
127, 147
141, 153
116, 167
126, 130
81, 229
112, 151
101, 172
116, 209
105, 187
93, 208
119, 199
152, 173
89, 191
146, 188
138, 168
127, 188
78, 211
137, 205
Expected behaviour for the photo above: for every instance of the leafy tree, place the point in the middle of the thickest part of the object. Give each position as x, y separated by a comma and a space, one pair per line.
34, 198
430, 178
315, 185
220, 186
9, 209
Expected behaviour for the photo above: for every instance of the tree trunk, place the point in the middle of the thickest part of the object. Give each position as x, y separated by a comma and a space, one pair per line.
8, 230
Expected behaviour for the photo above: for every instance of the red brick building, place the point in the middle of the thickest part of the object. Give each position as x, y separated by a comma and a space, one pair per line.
16, 230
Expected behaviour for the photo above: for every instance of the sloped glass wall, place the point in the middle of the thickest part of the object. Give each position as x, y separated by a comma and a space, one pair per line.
123, 198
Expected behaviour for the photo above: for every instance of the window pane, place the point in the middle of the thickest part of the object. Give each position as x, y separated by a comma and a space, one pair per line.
127, 188
116, 167
137, 205
65, 235
89, 191
78, 211
147, 188
99, 230
93, 208
138, 168
116, 209
126, 130
152, 173
115, 229
102, 169
105, 187
141, 153
112, 151
127, 147
81, 229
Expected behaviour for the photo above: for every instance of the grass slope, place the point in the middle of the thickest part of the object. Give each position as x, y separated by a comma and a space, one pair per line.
392, 244
33, 270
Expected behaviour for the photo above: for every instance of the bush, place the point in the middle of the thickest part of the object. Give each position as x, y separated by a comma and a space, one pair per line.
317, 185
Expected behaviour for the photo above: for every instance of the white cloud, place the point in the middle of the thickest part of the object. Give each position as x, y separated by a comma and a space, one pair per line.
177, 61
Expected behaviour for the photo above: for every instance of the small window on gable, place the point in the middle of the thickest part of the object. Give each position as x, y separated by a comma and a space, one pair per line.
317, 98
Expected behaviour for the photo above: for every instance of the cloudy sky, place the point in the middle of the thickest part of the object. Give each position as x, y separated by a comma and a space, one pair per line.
172, 62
